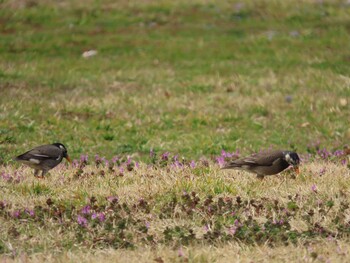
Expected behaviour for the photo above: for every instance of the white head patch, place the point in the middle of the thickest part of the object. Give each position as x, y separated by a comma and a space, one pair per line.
288, 159
61, 147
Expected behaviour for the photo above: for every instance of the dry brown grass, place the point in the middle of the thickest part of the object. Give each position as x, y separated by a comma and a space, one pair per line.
152, 182
330, 180
317, 251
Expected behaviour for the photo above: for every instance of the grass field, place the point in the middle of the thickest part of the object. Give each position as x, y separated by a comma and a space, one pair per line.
191, 78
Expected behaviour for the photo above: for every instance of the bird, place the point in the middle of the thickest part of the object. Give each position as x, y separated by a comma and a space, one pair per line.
44, 158
267, 162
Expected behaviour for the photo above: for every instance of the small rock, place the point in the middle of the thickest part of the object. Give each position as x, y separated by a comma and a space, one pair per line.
89, 53
294, 33
343, 102
288, 98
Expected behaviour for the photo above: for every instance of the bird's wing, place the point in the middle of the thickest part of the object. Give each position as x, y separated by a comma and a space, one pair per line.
41, 153
264, 158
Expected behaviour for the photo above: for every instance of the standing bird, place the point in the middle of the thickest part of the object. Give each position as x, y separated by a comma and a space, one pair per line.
266, 162
44, 157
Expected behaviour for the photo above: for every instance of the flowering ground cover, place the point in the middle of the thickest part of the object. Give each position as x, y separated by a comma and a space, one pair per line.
151, 98
119, 205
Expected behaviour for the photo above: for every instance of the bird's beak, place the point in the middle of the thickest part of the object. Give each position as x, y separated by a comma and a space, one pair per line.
68, 159
296, 169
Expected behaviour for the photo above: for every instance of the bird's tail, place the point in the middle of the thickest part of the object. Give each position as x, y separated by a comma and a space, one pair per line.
19, 158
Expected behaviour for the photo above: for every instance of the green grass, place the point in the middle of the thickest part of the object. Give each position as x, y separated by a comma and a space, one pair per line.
187, 77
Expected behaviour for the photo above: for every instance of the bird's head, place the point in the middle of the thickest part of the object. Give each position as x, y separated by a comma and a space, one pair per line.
293, 159
64, 150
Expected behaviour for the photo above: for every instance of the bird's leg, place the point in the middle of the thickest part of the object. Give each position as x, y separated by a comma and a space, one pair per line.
43, 173
260, 177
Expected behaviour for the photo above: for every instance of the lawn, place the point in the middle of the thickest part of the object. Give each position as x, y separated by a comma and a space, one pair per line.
191, 78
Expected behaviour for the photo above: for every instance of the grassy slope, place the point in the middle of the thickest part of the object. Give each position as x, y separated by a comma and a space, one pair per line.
189, 77
192, 77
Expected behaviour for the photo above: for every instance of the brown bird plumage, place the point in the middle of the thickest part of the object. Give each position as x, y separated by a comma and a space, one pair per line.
44, 158
266, 162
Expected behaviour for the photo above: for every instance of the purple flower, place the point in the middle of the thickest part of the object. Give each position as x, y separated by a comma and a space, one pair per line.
115, 159
330, 238
112, 199
324, 154
6, 177
93, 216
225, 154
128, 161
75, 163
100, 216
338, 153
220, 160
237, 223
236, 153
86, 210
84, 158
176, 162
232, 230
16, 213
314, 188
193, 164
165, 156
181, 253
147, 224
30, 212
305, 157
322, 171
3, 204
137, 165
98, 160
344, 162
82, 221
103, 159
278, 222
18, 179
